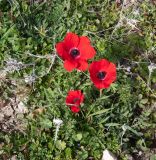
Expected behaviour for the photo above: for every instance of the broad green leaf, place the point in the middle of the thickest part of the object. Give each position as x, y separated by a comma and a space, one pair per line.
144, 101
112, 124
68, 153
134, 131
99, 112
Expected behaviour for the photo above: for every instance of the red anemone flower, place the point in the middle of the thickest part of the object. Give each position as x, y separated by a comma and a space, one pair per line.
102, 73
74, 99
75, 51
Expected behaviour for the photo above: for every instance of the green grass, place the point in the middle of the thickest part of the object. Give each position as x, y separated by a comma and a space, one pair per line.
129, 102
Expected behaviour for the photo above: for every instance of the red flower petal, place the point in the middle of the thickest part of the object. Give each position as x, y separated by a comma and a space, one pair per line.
83, 65
103, 64
69, 66
74, 98
75, 109
85, 40
93, 70
72, 95
101, 85
60, 48
71, 41
86, 50
111, 73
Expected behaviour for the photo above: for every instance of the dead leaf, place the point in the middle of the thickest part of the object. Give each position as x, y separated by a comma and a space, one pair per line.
38, 111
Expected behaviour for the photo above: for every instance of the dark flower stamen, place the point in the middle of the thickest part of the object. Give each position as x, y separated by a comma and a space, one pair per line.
101, 75
75, 53
76, 99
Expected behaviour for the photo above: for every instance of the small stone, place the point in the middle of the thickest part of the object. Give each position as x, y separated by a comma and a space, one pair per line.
8, 111
107, 155
129, 157
14, 157
1, 116
21, 108
2, 74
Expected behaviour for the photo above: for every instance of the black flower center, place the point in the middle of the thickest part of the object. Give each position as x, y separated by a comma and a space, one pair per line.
74, 53
101, 75
76, 99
